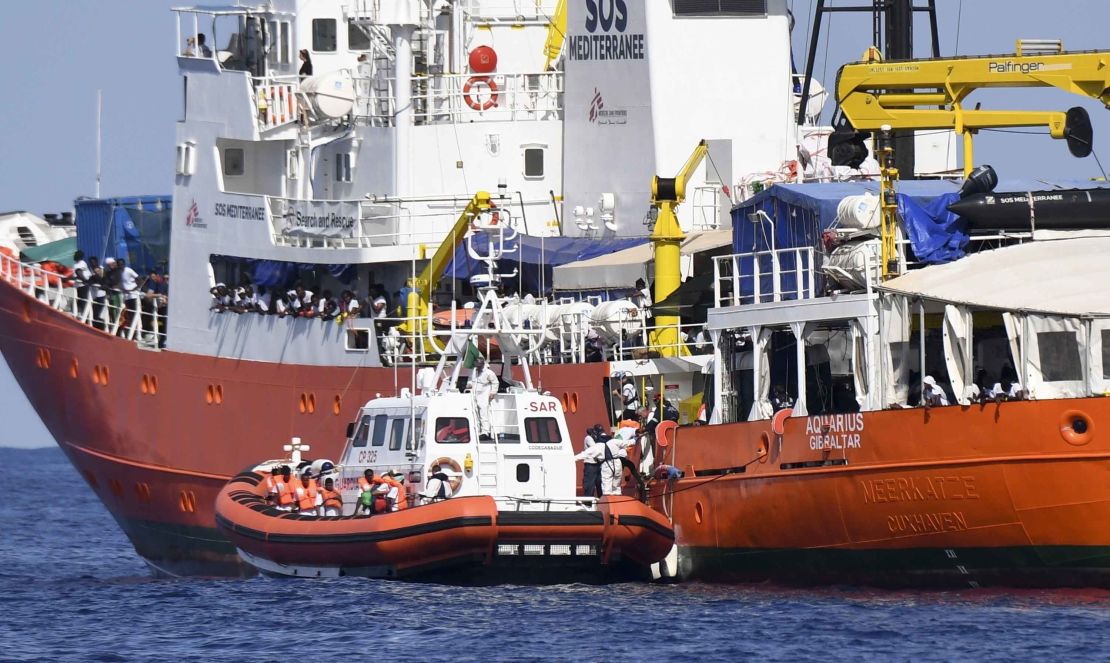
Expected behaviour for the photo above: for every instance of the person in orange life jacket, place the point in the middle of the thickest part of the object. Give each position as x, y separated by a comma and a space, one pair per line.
308, 495
393, 491
333, 500
269, 484
438, 487
283, 490
366, 486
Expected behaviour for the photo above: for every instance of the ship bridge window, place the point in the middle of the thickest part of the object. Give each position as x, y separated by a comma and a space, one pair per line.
452, 430
379, 429
323, 35
533, 162
362, 434
719, 7
397, 435
542, 430
1059, 354
278, 51
234, 162
357, 38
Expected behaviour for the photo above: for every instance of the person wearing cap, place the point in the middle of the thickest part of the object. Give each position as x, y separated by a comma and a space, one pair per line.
221, 298
931, 393
609, 455
332, 499
393, 491
484, 386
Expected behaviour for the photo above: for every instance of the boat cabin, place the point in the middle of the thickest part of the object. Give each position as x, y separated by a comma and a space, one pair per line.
528, 458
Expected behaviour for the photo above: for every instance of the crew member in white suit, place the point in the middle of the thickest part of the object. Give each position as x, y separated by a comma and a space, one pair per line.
484, 387
609, 455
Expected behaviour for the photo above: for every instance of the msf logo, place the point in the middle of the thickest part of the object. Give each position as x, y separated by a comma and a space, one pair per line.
192, 218
596, 105
606, 14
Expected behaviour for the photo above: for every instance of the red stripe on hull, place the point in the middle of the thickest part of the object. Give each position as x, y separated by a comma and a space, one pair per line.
160, 458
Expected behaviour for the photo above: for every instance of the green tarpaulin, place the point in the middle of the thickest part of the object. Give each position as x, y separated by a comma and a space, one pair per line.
60, 252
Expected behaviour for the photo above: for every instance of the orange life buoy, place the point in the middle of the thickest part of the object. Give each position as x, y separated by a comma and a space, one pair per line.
471, 101
453, 465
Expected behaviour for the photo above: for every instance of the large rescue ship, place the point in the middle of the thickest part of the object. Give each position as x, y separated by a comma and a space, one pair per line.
353, 173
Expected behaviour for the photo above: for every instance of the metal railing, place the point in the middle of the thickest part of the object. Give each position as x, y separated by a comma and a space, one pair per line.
452, 98
117, 313
762, 277
276, 101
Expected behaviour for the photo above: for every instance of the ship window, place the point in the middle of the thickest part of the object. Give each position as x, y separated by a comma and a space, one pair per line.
292, 164
357, 38
343, 167
719, 7
416, 440
234, 162
542, 430
362, 433
533, 162
379, 429
1059, 354
397, 435
523, 472
323, 35
1106, 354
452, 430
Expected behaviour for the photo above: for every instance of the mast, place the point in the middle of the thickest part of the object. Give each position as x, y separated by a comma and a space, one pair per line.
99, 108
899, 46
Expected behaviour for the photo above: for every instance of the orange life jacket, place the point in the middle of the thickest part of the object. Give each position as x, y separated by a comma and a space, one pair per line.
365, 486
284, 491
402, 498
308, 493
332, 499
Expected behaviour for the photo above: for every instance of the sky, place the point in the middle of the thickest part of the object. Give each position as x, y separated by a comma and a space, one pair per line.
60, 52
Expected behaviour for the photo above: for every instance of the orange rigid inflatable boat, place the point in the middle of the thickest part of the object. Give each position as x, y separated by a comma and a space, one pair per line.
485, 466
464, 540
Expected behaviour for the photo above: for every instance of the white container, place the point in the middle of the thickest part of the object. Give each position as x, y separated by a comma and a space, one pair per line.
611, 318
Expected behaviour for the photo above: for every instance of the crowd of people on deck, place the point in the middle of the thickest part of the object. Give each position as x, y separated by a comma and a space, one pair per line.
115, 289
301, 492
299, 302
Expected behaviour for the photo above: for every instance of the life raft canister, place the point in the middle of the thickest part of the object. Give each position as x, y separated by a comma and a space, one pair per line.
472, 99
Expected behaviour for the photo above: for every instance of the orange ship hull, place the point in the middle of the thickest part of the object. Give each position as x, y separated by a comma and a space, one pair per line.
158, 434
463, 540
996, 494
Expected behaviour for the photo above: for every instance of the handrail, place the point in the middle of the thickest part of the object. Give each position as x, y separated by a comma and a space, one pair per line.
116, 316
730, 270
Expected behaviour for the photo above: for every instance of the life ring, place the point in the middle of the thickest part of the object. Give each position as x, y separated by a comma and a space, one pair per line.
778, 422
471, 101
452, 464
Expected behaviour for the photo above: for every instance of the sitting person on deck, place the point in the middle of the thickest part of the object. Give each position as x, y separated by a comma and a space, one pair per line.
333, 499
438, 487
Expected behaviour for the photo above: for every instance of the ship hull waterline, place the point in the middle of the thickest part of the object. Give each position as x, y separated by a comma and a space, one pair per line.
157, 434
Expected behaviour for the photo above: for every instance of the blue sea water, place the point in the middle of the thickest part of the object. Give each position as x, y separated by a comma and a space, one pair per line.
71, 588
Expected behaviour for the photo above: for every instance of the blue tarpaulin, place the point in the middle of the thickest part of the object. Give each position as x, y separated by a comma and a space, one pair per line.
936, 235
531, 253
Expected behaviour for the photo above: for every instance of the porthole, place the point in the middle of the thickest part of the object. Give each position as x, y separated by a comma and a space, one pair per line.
304, 403
73, 369
574, 402
523, 472
210, 395
699, 513
1076, 428
311, 403
219, 394
144, 385
337, 406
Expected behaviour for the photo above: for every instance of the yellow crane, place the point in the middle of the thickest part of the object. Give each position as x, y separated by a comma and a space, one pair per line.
421, 287
930, 94
556, 35
667, 193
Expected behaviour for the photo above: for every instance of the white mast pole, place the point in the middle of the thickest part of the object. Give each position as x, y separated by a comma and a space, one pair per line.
99, 107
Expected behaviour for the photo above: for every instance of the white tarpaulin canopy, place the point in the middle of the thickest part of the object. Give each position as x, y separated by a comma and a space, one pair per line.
622, 268
1063, 276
